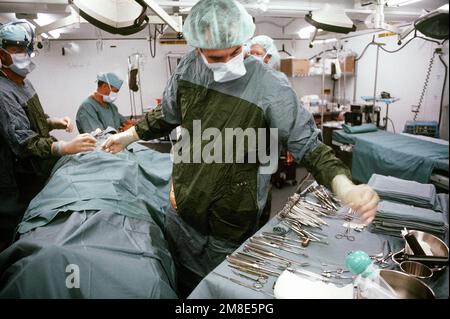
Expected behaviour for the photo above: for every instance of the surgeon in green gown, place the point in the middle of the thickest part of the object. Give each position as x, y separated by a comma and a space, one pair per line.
217, 205
27, 150
99, 110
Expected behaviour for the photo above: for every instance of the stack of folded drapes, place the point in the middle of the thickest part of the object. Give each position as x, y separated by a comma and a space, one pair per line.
404, 191
393, 217
407, 204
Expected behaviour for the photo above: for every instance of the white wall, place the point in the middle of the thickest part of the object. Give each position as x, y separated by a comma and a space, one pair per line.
402, 74
63, 82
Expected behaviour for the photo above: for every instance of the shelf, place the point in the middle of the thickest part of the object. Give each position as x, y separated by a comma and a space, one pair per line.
379, 99
319, 76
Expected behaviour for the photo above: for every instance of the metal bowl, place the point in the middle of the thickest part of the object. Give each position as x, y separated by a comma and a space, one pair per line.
406, 286
437, 246
416, 269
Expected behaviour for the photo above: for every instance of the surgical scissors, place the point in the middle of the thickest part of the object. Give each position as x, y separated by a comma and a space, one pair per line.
346, 234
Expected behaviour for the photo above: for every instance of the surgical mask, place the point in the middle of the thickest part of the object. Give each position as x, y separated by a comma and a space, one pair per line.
21, 63
227, 71
110, 98
260, 58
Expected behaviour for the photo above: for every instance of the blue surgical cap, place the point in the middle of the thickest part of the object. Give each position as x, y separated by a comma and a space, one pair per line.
16, 34
218, 24
111, 78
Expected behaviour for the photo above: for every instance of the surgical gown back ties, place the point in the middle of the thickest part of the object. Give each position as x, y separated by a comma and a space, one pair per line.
226, 200
25, 151
91, 115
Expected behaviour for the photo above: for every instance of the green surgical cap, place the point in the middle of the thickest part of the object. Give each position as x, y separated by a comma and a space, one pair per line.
269, 46
111, 78
218, 24
263, 41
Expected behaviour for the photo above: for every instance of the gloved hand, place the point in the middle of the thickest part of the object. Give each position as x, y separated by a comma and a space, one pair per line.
61, 124
361, 198
117, 142
81, 143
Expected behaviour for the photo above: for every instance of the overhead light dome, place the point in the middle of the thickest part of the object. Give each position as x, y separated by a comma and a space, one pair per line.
331, 18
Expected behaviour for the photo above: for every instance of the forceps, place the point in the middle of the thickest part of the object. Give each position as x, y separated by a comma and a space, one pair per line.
346, 234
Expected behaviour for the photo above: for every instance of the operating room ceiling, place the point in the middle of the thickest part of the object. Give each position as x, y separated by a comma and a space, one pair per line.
278, 12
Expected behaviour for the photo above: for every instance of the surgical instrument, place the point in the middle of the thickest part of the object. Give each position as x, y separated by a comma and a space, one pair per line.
257, 249
292, 240
346, 235
261, 280
252, 287
274, 245
248, 271
254, 266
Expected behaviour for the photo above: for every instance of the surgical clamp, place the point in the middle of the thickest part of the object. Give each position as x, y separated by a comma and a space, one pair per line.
346, 234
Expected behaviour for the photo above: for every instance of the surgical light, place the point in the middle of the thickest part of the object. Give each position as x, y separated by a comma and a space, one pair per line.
434, 24
331, 18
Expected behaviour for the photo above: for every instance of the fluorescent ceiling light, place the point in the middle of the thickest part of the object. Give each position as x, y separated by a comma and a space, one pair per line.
55, 34
43, 19
305, 33
332, 40
399, 3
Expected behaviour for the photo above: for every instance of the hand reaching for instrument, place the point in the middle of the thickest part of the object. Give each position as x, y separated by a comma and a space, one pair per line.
360, 198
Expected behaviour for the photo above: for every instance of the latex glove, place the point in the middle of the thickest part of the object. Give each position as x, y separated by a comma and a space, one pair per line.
361, 198
81, 143
117, 142
61, 124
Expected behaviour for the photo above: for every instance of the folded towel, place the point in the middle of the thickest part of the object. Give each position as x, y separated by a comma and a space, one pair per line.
393, 217
404, 191
364, 128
